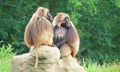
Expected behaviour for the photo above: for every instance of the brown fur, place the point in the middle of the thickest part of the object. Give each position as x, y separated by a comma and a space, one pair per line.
38, 31
72, 38
65, 50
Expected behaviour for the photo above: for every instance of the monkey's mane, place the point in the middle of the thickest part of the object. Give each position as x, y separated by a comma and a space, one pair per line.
36, 27
72, 34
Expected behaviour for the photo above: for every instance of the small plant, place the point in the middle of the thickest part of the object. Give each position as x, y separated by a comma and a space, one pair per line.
5, 57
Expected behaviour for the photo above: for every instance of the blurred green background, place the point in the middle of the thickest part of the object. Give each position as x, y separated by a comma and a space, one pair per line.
97, 22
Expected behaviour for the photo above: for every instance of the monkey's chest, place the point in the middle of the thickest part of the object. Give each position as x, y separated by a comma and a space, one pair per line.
60, 33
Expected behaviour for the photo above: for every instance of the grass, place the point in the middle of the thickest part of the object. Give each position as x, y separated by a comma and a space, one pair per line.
6, 55
94, 67
5, 58
103, 68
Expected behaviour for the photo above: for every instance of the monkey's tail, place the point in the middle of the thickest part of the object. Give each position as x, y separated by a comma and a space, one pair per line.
36, 54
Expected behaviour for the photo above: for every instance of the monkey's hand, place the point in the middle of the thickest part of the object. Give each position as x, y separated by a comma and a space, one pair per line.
60, 43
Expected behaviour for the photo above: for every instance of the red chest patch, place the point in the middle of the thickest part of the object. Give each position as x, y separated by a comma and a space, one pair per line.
60, 32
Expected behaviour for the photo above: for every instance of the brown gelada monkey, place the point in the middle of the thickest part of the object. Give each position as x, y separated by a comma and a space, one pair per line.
39, 30
65, 35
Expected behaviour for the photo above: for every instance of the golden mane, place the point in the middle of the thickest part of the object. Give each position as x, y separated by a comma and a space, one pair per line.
38, 31
36, 27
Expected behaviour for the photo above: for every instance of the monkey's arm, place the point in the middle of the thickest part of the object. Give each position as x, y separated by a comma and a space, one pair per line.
60, 43
54, 38
54, 28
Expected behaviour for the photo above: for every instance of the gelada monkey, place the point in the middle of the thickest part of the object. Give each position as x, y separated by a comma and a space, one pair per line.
65, 35
39, 30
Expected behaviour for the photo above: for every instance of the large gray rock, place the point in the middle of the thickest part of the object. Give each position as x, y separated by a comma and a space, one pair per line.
49, 61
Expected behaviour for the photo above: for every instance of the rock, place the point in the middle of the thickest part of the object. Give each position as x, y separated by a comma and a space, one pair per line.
19, 63
49, 61
69, 64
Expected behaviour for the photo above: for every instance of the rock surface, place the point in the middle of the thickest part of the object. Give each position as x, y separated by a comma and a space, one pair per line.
49, 61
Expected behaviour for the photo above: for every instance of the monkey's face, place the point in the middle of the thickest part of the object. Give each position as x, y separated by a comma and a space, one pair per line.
66, 23
62, 20
49, 16
45, 13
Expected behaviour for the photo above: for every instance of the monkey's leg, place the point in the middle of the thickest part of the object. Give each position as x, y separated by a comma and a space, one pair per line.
65, 50
60, 43
74, 52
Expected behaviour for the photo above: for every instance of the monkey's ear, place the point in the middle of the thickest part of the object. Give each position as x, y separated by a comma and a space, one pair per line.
40, 11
